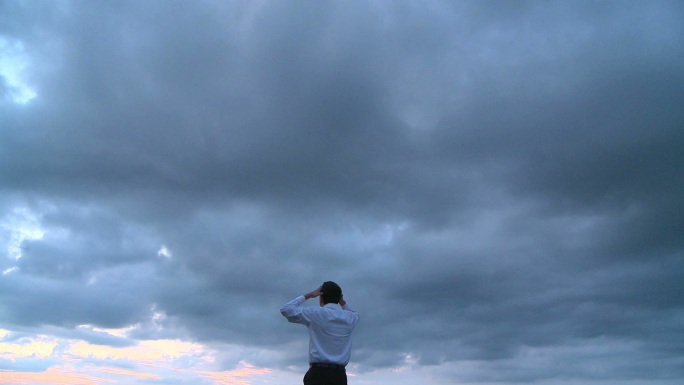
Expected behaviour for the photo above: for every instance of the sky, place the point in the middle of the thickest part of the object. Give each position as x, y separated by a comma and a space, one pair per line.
496, 186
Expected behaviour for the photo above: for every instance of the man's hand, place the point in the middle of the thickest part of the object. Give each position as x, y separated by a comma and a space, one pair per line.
313, 294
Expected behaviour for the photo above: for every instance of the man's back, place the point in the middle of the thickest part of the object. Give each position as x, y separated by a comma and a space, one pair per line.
330, 327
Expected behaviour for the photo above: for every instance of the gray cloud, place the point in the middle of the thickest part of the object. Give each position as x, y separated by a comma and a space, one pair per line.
488, 181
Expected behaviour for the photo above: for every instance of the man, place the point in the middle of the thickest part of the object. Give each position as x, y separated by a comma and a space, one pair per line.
330, 327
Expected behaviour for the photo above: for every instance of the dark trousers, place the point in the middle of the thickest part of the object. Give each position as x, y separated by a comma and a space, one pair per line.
325, 376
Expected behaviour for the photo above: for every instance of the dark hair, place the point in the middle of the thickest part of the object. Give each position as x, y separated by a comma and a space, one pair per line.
331, 292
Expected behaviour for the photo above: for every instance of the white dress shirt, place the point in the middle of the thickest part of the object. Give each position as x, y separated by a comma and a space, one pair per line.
329, 327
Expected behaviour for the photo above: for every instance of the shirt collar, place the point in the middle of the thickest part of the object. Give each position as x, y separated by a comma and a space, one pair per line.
333, 305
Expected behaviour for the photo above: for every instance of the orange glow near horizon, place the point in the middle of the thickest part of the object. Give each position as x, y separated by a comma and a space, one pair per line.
78, 362
41, 348
132, 373
145, 351
50, 376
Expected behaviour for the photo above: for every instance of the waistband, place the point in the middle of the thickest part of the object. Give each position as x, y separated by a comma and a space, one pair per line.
326, 365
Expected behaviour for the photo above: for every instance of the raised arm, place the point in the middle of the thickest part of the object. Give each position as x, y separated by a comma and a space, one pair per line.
313, 293
293, 310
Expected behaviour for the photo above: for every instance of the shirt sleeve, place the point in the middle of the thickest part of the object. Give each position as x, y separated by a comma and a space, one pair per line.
293, 311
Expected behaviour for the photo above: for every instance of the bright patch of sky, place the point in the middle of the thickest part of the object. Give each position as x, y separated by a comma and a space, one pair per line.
14, 63
21, 225
164, 252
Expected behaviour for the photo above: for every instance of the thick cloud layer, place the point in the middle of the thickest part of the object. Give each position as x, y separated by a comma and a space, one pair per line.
495, 185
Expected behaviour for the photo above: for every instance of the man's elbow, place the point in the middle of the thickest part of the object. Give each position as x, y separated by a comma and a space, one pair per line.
286, 312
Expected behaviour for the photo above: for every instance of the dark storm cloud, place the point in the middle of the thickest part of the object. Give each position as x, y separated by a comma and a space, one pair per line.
483, 179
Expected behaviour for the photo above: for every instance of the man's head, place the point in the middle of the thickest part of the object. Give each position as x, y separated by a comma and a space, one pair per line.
330, 293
